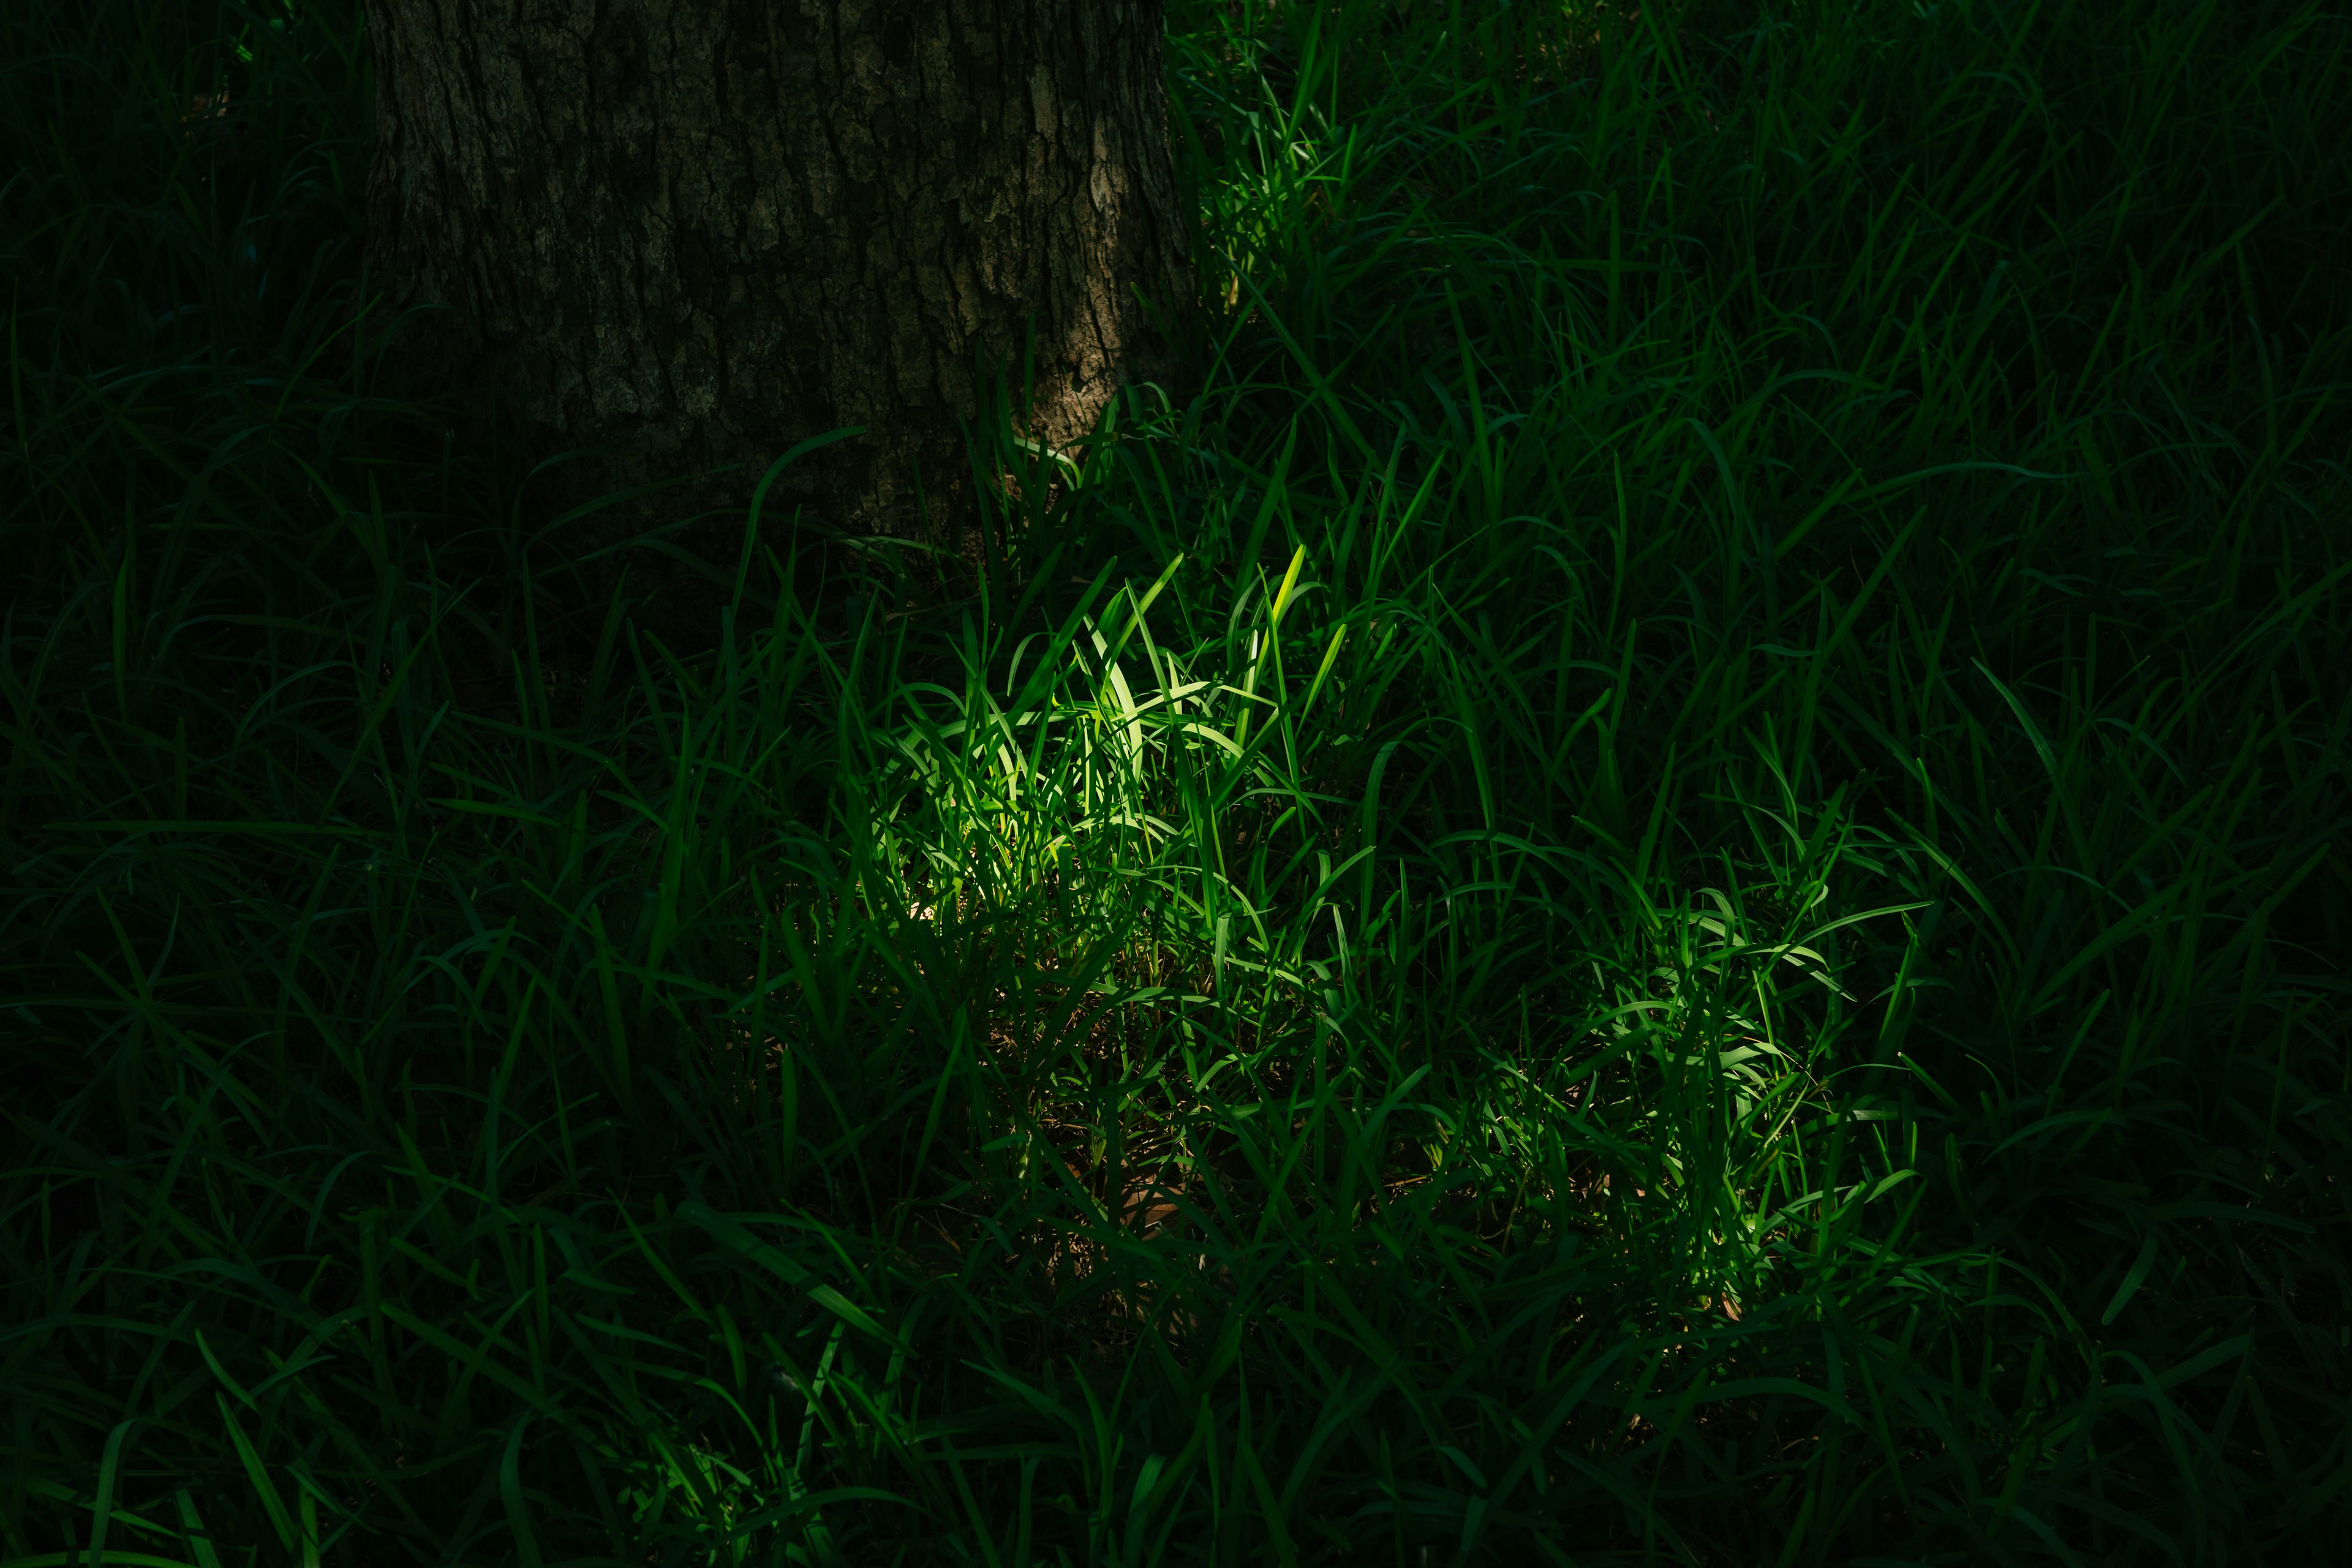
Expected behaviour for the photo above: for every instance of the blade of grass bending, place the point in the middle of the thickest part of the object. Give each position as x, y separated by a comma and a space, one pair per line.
2132, 1278
101, 1507
511, 1494
2032, 731
193, 1531
478, 1360
725, 1231
271, 1503
1289, 583
1141, 606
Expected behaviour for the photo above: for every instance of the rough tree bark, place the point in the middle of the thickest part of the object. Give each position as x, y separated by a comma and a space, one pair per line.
699, 231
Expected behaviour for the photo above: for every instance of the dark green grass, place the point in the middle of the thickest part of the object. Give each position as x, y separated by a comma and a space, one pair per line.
1667, 884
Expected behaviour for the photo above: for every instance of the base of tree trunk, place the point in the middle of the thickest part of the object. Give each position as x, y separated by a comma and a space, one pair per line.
690, 236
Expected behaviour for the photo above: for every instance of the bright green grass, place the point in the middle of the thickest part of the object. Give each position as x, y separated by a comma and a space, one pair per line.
1667, 884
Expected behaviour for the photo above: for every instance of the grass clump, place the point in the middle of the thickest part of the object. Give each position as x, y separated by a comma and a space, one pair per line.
1666, 883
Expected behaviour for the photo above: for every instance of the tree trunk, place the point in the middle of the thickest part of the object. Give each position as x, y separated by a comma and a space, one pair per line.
700, 231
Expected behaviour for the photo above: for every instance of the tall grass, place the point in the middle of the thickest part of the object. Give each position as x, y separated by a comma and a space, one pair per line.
1668, 883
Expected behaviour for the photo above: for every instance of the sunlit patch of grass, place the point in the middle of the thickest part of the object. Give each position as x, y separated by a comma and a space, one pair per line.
1664, 883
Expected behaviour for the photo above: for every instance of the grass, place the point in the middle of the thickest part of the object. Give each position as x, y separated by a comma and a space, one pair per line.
1663, 881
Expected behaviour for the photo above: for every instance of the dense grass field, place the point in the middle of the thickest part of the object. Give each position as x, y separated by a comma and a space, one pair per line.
1662, 879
